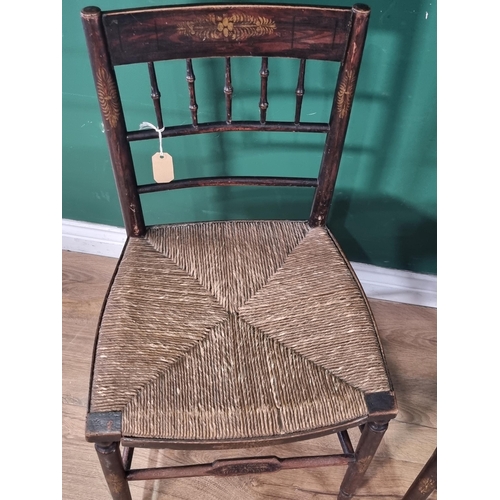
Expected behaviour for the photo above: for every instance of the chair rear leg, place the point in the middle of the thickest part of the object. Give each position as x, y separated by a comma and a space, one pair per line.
373, 432
114, 472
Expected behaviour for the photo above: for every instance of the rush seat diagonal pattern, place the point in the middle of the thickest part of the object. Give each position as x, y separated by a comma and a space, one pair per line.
241, 329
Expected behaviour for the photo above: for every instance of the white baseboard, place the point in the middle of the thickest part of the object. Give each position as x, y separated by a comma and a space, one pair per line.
97, 239
378, 282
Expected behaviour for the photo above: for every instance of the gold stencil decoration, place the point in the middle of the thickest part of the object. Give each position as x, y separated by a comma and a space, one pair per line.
346, 93
363, 463
426, 485
115, 483
108, 96
233, 27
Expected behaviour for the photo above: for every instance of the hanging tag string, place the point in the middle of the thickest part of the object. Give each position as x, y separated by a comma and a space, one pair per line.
144, 125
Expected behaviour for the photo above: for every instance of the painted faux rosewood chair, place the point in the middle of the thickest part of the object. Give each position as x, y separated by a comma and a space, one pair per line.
238, 333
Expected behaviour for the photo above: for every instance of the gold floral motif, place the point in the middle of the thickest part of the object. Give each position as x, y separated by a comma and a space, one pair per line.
233, 27
426, 485
225, 26
345, 94
363, 463
108, 96
115, 482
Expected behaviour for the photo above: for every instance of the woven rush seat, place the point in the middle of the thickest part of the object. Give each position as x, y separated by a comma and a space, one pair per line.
232, 330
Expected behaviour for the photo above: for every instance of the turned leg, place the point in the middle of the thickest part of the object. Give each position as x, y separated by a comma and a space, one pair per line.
112, 467
373, 432
426, 481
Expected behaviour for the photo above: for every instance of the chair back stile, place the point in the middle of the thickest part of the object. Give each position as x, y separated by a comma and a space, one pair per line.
114, 122
341, 110
189, 32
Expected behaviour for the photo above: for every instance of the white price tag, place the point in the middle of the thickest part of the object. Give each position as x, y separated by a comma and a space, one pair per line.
163, 167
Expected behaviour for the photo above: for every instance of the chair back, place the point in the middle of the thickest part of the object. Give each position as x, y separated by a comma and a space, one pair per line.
148, 35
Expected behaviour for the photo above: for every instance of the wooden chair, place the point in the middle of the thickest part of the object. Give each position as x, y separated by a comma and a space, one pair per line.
232, 334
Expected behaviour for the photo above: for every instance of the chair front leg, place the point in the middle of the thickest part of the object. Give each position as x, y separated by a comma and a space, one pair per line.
373, 433
112, 467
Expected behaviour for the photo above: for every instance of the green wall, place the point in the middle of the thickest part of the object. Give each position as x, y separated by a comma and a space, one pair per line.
384, 210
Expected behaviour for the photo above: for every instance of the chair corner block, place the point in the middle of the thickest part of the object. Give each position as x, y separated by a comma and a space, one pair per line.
381, 403
103, 426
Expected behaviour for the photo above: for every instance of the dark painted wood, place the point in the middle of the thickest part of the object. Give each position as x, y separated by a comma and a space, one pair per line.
229, 181
240, 466
155, 94
299, 92
112, 467
103, 425
345, 442
263, 104
127, 455
114, 121
426, 481
141, 35
193, 105
239, 443
228, 91
234, 126
373, 433
341, 110
381, 402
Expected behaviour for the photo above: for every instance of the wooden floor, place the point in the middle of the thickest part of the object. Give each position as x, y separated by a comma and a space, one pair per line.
409, 338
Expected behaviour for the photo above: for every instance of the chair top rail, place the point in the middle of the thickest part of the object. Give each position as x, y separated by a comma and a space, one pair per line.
178, 32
